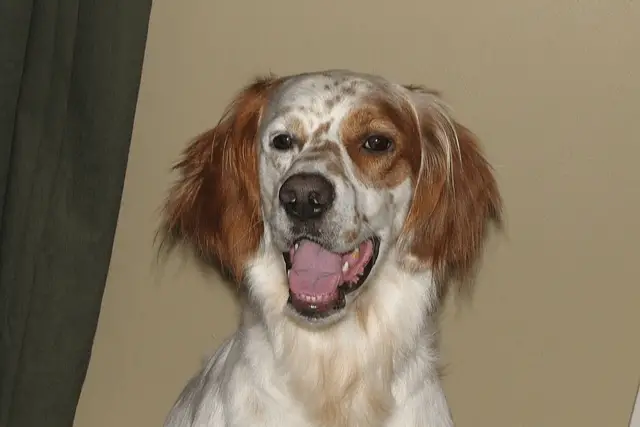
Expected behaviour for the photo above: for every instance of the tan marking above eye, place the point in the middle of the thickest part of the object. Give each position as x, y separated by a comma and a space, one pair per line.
296, 129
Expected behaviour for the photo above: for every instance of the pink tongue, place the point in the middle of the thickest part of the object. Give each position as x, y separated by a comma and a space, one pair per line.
315, 271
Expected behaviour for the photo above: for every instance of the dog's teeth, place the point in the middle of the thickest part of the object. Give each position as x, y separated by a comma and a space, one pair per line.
288, 273
295, 247
355, 253
345, 267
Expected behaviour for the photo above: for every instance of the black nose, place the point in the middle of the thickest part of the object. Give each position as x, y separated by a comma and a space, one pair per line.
306, 196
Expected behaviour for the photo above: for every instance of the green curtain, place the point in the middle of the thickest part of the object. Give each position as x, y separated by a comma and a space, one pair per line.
69, 77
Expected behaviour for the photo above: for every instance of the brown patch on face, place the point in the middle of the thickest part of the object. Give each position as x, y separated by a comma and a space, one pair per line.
452, 210
381, 117
296, 129
215, 205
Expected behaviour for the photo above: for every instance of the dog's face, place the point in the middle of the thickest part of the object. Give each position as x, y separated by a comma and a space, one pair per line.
337, 166
340, 174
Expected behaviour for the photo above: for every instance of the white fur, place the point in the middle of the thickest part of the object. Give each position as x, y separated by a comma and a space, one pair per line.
245, 382
275, 368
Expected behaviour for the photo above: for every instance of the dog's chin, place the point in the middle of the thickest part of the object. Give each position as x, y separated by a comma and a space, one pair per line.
318, 305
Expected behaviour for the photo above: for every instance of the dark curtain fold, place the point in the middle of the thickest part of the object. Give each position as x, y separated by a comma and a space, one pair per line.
69, 77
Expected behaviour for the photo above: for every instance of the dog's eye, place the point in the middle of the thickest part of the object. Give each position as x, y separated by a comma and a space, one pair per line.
282, 142
378, 143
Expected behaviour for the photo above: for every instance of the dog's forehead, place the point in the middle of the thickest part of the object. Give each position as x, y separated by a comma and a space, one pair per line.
323, 96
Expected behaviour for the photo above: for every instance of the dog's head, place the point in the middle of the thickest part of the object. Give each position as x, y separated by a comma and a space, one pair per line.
338, 174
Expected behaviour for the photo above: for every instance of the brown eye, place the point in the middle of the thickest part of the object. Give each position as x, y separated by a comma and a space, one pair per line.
282, 142
377, 143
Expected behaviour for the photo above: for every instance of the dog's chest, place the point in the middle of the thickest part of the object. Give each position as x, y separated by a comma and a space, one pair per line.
341, 387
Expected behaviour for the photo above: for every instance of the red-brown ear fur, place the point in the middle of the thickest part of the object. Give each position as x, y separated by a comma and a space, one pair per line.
455, 201
215, 205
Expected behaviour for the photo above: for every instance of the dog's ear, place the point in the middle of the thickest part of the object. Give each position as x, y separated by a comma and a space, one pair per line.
456, 196
215, 205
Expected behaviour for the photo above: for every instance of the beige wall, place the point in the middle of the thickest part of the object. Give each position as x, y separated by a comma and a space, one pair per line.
553, 89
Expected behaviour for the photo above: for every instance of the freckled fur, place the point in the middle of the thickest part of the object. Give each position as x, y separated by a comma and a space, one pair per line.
429, 202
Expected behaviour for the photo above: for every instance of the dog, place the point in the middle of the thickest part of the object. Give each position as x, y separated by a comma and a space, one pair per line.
344, 206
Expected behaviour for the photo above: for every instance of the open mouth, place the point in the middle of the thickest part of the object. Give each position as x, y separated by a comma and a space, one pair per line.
320, 280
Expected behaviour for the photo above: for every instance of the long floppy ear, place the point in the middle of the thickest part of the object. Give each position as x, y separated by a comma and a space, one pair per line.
215, 205
456, 197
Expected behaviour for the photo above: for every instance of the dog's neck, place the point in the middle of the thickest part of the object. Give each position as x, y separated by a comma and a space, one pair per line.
355, 362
